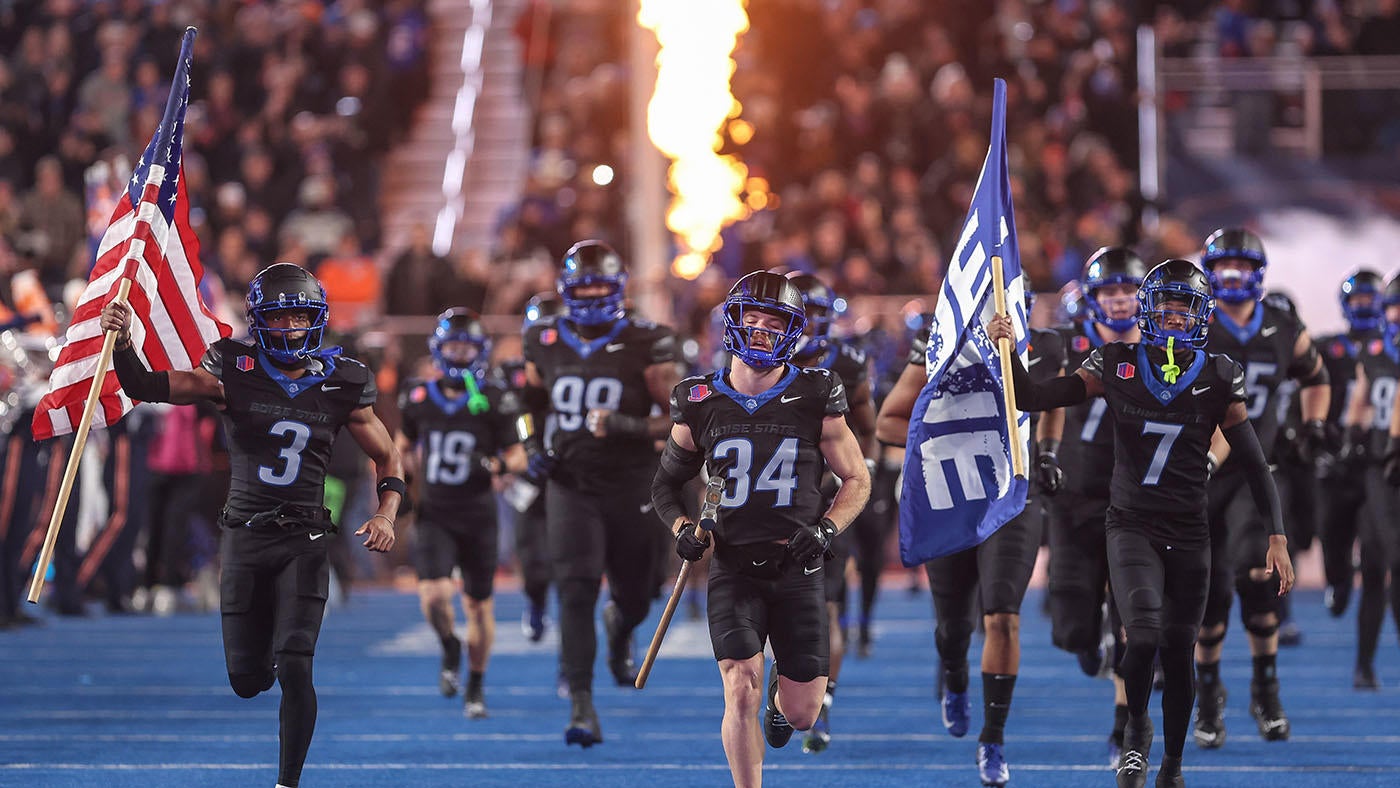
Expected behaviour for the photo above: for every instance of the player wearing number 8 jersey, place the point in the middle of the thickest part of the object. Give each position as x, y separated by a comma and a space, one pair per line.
771, 429
1167, 397
283, 398
455, 436
599, 373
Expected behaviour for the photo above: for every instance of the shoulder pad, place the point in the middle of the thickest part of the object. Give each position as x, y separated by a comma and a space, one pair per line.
854, 353
353, 370
1227, 367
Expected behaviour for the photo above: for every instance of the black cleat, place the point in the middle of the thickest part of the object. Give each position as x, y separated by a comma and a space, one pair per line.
1268, 711
1091, 661
775, 726
1169, 773
1289, 635
584, 729
620, 662
475, 706
1336, 598
1364, 678
450, 678
1137, 746
1210, 720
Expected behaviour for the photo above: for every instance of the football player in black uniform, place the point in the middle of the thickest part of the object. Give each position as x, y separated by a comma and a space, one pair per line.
992, 575
455, 437
1341, 496
1271, 344
772, 429
817, 348
1168, 397
283, 399
1369, 417
1078, 546
600, 373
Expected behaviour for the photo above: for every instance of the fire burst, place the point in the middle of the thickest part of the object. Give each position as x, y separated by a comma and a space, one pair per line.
690, 105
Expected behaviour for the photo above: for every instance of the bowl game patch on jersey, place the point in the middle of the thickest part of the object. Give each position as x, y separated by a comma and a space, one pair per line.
244, 363
698, 392
1126, 371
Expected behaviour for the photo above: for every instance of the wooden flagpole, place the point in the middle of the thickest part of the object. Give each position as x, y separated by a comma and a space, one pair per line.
1005, 347
109, 343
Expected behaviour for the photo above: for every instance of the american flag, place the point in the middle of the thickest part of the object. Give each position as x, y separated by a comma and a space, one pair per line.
149, 241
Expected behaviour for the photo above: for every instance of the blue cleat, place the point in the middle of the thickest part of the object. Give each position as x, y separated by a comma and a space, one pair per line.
956, 713
991, 765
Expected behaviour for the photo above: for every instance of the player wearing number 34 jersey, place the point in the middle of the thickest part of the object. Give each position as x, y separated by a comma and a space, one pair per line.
1167, 396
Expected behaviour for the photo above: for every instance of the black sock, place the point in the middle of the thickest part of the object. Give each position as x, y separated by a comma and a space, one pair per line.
955, 677
996, 704
831, 688
1266, 669
1120, 721
1207, 674
474, 680
451, 653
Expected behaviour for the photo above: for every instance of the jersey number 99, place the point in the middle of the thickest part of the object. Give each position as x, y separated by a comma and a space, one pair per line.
573, 398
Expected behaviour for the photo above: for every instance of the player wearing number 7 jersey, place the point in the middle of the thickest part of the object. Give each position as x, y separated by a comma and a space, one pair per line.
1167, 397
283, 398
772, 429
599, 373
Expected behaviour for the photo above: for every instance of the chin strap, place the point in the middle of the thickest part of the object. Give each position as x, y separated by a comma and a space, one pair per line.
477, 402
1170, 370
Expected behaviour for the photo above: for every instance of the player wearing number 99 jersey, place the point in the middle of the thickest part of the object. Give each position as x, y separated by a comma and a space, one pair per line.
767, 427
601, 374
1167, 397
454, 436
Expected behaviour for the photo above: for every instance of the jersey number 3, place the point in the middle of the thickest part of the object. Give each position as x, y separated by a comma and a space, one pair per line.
290, 455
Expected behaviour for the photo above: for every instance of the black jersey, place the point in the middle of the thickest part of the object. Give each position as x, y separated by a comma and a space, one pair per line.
453, 440
1339, 353
1263, 346
608, 373
1162, 432
1380, 359
1086, 450
280, 430
847, 361
769, 447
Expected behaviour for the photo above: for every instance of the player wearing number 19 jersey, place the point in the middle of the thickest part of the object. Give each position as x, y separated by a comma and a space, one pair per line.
1167, 397
601, 374
456, 431
1271, 344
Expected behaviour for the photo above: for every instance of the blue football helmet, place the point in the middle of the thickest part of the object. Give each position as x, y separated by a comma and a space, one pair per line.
591, 263
283, 286
460, 324
541, 306
1175, 281
822, 306
1363, 317
1233, 243
767, 292
1110, 265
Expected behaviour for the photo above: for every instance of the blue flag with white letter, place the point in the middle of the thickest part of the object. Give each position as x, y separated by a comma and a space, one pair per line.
958, 483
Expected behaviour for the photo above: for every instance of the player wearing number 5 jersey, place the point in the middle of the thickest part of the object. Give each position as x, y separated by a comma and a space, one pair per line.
455, 436
1167, 397
600, 373
771, 429
1272, 345
283, 398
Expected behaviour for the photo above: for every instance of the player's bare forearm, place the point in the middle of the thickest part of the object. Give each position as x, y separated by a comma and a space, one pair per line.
862, 419
1315, 401
660, 380
1051, 425
892, 423
843, 456
1358, 410
516, 461
373, 437
407, 455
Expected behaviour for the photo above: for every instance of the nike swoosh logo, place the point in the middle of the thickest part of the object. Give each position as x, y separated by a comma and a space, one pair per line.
330, 388
807, 571
759, 563
790, 399
318, 535
1201, 390
1268, 332
646, 507
1032, 362
836, 392
614, 347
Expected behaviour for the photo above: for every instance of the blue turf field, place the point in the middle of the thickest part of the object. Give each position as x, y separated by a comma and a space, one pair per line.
136, 701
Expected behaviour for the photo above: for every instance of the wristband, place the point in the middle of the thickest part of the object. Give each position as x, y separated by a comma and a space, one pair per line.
392, 484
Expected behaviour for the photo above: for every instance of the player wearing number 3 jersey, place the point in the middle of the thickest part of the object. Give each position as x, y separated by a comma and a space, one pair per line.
600, 374
770, 429
284, 398
1167, 397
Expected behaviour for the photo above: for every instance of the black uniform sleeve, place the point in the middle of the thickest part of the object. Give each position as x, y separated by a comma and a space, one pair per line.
1244, 445
408, 418
836, 396
678, 394
663, 347
855, 371
1093, 363
1231, 370
1056, 392
213, 361
503, 423
360, 374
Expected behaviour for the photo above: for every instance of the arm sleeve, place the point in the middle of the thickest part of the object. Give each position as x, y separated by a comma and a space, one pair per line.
370, 393
1244, 445
677, 467
1057, 392
663, 348
138, 382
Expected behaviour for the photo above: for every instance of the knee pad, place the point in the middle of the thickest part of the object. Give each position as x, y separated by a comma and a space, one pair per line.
247, 685
1258, 604
1182, 637
1211, 641
293, 670
953, 633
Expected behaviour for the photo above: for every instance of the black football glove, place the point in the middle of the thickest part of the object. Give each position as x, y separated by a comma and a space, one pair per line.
688, 546
811, 542
541, 465
1312, 443
1047, 468
1353, 453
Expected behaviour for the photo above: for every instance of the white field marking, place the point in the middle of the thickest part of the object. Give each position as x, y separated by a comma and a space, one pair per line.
684, 639
688, 766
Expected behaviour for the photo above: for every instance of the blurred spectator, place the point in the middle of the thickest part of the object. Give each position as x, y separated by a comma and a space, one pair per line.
318, 226
412, 287
1380, 32
351, 279
54, 218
